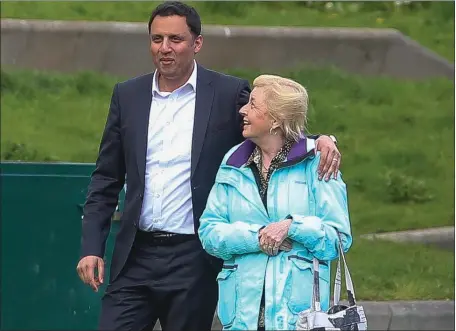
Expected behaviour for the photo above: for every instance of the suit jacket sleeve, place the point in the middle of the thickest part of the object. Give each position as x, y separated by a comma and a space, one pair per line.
242, 98
106, 182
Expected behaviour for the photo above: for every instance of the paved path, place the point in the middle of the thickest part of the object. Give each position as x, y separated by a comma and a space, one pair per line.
400, 315
440, 236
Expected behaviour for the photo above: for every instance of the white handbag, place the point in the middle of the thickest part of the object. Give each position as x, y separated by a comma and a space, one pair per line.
338, 316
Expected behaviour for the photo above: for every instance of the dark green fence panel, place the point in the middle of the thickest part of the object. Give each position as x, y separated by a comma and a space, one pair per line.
41, 209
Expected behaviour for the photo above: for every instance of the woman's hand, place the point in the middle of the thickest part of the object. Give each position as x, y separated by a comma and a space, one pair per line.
273, 236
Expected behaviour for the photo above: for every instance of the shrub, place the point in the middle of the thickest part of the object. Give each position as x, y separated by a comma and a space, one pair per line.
401, 188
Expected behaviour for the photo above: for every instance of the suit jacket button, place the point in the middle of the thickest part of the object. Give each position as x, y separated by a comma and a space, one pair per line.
140, 196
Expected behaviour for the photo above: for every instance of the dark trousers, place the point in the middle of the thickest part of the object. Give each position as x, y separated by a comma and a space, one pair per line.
169, 280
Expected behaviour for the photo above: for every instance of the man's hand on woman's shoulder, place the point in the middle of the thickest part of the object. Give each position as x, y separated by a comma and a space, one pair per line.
329, 159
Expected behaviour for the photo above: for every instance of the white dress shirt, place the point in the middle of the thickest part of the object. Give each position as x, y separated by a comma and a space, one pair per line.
167, 204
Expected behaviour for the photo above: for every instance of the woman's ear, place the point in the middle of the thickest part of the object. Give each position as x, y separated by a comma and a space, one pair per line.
275, 125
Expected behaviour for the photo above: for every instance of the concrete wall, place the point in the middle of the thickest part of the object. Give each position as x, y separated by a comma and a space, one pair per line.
122, 48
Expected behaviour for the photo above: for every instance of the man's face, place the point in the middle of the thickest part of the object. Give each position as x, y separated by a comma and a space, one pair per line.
172, 45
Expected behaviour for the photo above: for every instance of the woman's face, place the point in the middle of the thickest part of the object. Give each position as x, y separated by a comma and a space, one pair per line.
257, 121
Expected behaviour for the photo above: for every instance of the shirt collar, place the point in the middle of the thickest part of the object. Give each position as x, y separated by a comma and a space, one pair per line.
191, 81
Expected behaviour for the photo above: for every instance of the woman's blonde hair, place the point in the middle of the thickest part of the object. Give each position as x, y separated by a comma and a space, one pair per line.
286, 102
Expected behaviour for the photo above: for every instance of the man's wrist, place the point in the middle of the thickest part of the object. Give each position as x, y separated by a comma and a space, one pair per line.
314, 136
317, 136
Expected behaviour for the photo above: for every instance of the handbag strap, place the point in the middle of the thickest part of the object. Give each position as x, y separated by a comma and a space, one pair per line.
316, 306
316, 303
348, 280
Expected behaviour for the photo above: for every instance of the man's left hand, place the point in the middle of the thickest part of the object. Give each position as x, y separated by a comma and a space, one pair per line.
329, 159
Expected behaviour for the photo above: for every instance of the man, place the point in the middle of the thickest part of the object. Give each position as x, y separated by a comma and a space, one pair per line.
166, 133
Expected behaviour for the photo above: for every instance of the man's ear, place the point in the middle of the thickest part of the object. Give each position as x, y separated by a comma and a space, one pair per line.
198, 43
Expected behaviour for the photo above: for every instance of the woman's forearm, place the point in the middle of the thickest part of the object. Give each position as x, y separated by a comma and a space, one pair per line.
224, 240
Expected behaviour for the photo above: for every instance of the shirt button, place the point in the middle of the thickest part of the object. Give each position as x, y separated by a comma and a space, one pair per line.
157, 195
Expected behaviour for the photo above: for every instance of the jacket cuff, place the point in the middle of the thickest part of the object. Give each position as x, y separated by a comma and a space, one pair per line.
253, 243
306, 230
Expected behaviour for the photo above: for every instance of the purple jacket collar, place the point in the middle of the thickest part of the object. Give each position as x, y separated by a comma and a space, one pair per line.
243, 152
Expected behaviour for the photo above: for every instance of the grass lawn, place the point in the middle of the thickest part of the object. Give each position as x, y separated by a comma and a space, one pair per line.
383, 271
396, 138
430, 23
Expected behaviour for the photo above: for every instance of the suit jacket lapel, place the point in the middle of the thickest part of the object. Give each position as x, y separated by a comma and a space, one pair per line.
142, 125
203, 107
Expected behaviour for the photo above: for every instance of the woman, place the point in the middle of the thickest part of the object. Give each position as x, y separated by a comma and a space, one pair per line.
268, 215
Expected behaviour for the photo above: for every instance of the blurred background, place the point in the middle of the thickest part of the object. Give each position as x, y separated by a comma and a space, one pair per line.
380, 77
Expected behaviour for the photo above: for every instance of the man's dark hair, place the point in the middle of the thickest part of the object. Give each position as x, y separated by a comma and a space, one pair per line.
171, 8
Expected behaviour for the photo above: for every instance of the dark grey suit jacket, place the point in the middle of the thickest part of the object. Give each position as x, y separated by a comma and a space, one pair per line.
217, 128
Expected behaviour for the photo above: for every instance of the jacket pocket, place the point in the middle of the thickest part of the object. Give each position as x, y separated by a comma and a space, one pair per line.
301, 283
226, 307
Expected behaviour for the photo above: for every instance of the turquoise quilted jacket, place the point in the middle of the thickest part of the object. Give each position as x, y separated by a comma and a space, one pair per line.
229, 230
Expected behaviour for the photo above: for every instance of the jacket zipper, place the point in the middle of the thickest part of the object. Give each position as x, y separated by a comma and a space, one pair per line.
284, 165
